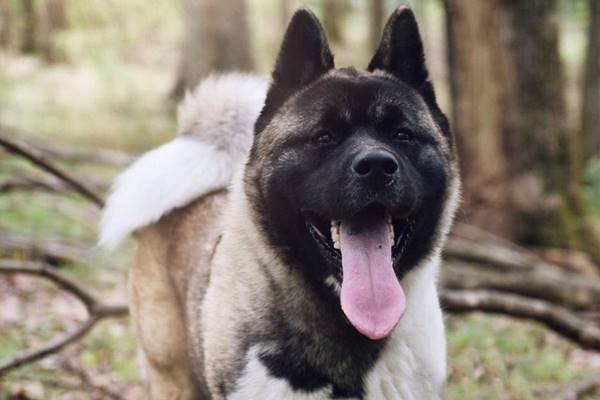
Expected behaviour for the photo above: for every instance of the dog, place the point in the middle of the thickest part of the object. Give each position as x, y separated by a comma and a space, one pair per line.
289, 238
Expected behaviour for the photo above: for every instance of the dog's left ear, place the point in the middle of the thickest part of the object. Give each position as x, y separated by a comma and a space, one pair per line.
400, 52
303, 57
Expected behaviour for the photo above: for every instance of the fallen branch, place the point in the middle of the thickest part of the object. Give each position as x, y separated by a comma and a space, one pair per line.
546, 283
37, 157
96, 309
48, 250
24, 182
555, 317
492, 255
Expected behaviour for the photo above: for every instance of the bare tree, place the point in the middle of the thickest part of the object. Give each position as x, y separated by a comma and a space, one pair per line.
376, 11
481, 85
28, 26
6, 23
56, 13
334, 13
509, 113
216, 38
590, 110
540, 142
55, 21
285, 12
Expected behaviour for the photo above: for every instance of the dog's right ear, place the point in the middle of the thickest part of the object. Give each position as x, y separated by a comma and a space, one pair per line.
303, 57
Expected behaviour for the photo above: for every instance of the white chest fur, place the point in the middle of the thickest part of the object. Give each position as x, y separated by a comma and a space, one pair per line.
413, 363
412, 366
257, 383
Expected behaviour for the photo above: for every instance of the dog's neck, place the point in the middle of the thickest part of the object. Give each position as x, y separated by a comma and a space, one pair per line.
301, 323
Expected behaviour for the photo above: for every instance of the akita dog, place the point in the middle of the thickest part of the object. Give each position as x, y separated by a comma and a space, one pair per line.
289, 238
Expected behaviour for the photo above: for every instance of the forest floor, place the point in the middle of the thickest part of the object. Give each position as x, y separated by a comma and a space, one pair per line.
116, 99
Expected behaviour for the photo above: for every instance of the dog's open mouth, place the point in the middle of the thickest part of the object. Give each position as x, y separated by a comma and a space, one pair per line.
367, 244
327, 232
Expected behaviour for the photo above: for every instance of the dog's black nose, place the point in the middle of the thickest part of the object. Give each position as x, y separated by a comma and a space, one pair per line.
375, 162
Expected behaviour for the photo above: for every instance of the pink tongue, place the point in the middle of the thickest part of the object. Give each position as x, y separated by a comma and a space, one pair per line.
372, 297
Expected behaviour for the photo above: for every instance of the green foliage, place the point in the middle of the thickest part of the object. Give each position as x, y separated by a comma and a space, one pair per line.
592, 185
10, 343
496, 358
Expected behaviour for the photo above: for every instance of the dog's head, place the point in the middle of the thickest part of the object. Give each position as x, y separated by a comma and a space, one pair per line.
351, 171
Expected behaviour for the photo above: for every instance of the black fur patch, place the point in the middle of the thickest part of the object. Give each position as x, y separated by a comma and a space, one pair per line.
304, 56
291, 172
336, 359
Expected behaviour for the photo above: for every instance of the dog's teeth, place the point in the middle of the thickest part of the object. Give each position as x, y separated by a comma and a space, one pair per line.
391, 229
335, 234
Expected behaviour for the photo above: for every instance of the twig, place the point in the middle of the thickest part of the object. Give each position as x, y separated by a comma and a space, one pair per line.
88, 382
51, 348
70, 154
557, 318
98, 156
42, 270
38, 158
96, 311
19, 184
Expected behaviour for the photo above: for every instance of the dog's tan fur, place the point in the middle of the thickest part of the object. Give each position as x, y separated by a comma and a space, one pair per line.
167, 253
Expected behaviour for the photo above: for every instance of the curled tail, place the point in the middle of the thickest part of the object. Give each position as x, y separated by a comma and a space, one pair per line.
215, 125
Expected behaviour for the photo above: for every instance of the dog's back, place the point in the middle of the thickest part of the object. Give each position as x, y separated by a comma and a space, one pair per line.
172, 198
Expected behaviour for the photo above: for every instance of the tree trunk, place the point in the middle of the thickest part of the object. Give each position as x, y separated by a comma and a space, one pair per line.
285, 12
57, 14
55, 21
29, 26
376, 11
333, 17
590, 110
509, 117
216, 38
481, 88
540, 143
6, 23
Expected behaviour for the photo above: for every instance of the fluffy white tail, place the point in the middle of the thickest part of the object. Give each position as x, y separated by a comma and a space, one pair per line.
215, 125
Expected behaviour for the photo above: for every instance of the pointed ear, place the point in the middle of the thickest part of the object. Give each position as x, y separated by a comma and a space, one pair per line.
400, 52
303, 57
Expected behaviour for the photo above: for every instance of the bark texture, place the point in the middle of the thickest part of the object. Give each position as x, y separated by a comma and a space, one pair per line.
6, 24
507, 85
216, 38
481, 83
590, 113
55, 21
334, 12
376, 16
28, 27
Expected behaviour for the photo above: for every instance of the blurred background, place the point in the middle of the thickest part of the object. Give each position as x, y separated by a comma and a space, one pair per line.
86, 85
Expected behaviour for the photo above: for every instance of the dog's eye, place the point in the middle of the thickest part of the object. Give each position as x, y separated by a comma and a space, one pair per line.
402, 135
325, 138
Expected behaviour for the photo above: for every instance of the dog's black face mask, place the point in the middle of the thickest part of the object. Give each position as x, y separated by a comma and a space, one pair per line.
350, 171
